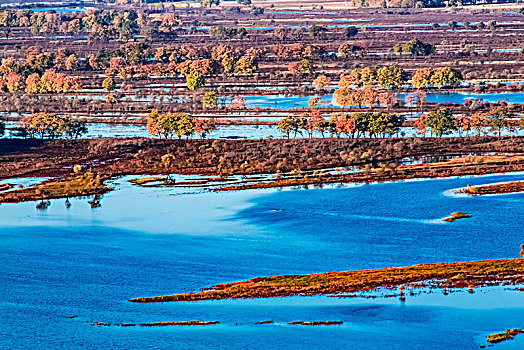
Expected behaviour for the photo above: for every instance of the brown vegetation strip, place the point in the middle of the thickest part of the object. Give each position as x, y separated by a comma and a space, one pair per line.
316, 323
445, 275
509, 187
455, 216
265, 322
179, 323
83, 185
507, 335
114, 157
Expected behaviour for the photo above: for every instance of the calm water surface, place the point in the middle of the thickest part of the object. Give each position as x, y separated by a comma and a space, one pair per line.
89, 262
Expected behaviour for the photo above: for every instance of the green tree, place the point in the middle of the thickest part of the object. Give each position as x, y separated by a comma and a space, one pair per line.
134, 53
414, 47
499, 118
316, 31
195, 81
368, 76
445, 77
108, 84
286, 124
72, 128
307, 67
350, 32
184, 125
246, 65
391, 77
385, 124
210, 99
209, 3
441, 122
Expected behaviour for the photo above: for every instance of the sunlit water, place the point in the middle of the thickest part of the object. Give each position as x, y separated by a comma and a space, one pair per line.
153, 241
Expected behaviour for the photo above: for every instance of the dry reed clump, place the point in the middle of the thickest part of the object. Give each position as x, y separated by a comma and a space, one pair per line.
456, 216
507, 335
145, 180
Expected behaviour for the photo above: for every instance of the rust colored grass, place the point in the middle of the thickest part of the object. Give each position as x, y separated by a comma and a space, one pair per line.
179, 323
508, 187
316, 323
507, 335
83, 185
443, 275
455, 216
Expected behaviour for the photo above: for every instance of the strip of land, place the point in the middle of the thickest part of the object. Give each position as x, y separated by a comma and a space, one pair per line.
508, 187
82, 185
296, 162
441, 275
507, 335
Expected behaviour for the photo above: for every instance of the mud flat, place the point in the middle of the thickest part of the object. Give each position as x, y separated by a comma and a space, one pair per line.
440, 275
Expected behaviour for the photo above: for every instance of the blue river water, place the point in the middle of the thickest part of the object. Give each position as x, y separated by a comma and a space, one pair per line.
88, 263
457, 97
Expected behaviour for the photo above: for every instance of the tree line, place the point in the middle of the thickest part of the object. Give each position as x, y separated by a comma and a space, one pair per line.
168, 124
50, 126
383, 124
371, 124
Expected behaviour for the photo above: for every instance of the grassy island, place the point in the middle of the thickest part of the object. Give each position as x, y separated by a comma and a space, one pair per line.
179, 323
441, 275
82, 185
507, 335
455, 216
508, 187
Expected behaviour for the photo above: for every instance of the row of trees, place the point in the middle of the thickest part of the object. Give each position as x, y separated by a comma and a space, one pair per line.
395, 77
52, 126
37, 61
181, 124
314, 32
440, 78
50, 81
443, 122
221, 58
352, 125
438, 123
99, 24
